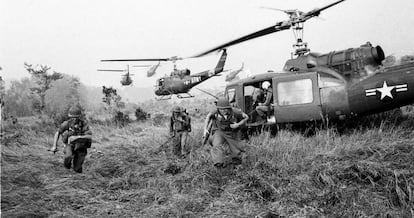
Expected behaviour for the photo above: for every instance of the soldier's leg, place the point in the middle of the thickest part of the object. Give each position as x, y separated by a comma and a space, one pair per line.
184, 140
176, 146
218, 151
78, 159
236, 149
67, 160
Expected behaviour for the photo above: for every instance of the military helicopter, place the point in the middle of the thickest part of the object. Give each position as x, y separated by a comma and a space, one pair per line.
180, 81
126, 78
233, 74
318, 87
152, 70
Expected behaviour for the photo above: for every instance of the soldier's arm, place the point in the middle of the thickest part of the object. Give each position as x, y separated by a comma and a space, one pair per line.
87, 134
189, 124
62, 128
245, 118
171, 125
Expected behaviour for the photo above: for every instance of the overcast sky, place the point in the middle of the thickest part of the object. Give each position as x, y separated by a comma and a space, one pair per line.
72, 36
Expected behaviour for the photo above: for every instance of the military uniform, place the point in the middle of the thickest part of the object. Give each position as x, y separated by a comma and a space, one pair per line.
225, 139
77, 138
180, 126
77, 150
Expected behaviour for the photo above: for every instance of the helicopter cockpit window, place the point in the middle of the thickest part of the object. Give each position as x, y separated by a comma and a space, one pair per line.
186, 72
295, 92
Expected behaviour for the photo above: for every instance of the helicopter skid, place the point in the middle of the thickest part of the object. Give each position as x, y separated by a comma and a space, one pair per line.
165, 97
187, 95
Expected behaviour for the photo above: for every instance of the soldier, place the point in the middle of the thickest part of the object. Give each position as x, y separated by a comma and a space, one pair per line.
262, 109
180, 126
225, 137
77, 138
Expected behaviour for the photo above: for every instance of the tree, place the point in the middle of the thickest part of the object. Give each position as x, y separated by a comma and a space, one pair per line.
43, 80
18, 100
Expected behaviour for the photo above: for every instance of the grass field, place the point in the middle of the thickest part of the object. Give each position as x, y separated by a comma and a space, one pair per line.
365, 171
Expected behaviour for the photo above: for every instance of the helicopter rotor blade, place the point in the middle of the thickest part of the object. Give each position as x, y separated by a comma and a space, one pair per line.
317, 11
142, 59
278, 27
112, 70
142, 65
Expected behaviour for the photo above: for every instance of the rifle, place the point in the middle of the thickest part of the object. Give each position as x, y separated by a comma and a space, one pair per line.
162, 146
205, 137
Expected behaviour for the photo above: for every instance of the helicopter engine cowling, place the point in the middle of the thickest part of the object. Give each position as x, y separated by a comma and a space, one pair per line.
352, 61
349, 62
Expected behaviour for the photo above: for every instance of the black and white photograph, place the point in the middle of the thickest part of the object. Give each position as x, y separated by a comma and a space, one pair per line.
231, 108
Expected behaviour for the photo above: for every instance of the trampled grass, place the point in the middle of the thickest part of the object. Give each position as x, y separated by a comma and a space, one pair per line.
360, 172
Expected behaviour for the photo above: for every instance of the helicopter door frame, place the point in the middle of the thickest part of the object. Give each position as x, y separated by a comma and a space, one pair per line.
292, 100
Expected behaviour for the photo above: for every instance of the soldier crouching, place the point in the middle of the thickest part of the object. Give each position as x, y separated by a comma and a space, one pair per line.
226, 139
77, 138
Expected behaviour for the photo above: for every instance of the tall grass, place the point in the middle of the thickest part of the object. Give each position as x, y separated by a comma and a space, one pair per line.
365, 171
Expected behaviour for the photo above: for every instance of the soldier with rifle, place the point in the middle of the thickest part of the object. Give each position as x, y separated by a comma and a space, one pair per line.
223, 128
77, 138
180, 126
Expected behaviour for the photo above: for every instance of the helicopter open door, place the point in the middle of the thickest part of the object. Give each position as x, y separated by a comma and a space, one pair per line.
297, 98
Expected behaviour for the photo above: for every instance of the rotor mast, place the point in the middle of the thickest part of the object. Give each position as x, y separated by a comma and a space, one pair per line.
301, 47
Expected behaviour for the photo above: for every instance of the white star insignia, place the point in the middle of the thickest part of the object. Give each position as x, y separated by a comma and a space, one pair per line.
386, 90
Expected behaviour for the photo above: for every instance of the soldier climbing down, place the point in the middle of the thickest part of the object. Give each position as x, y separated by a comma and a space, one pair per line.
226, 134
180, 126
77, 138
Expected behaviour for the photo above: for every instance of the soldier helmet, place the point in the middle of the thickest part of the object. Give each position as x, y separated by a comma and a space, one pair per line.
265, 84
223, 103
176, 109
74, 111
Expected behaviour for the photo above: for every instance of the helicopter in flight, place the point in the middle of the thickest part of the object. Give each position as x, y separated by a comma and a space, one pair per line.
180, 81
318, 87
152, 70
126, 79
233, 74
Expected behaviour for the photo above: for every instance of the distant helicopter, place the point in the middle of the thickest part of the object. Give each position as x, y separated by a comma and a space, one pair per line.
126, 78
318, 87
180, 82
232, 75
152, 70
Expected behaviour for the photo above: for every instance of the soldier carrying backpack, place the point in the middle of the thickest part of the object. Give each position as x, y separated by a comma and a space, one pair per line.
180, 126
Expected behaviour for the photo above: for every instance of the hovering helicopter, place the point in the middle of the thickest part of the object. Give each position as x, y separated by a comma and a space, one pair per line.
126, 78
152, 70
180, 81
317, 87
232, 75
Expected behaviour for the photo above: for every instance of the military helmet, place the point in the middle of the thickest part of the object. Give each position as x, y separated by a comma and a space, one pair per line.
265, 84
74, 111
176, 109
223, 103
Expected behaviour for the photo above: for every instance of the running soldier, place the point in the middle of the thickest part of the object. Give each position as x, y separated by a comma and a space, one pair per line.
77, 138
225, 136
